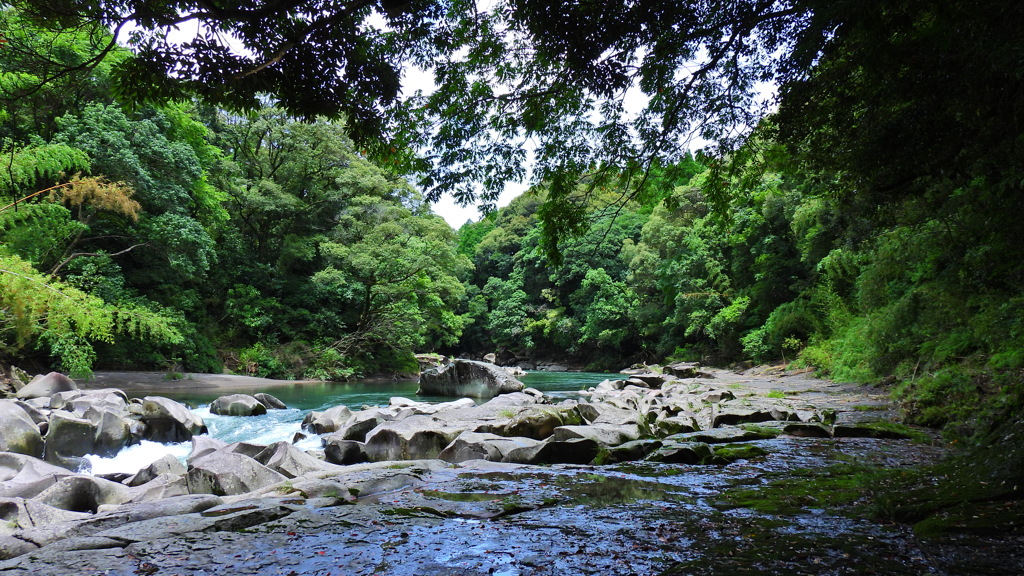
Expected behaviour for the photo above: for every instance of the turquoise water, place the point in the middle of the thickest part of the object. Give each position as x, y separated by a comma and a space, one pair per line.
283, 425
323, 395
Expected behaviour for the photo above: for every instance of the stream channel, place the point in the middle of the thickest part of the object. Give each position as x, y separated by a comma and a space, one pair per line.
483, 518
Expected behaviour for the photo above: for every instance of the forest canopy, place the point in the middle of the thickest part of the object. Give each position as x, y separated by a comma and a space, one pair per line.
244, 190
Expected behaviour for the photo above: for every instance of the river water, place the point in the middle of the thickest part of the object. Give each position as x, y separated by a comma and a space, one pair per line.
301, 398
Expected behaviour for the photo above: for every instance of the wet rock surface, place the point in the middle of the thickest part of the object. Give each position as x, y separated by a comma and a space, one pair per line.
516, 486
498, 518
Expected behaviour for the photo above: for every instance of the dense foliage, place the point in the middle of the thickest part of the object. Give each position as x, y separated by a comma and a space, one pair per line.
179, 237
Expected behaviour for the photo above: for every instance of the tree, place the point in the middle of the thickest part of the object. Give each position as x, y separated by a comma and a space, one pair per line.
40, 311
523, 70
399, 274
48, 70
561, 75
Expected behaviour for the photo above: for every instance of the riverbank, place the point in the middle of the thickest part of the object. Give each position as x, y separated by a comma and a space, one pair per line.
141, 383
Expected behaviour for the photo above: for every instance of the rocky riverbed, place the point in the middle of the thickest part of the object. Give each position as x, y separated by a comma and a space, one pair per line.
702, 472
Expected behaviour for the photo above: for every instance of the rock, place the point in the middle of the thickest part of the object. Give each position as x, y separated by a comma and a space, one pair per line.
269, 401
117, 515
540, 423
22, 514
160, 487
237, 405
631, 451
345, 452
113, 432
807, 430
167, 464
47, 386
18, 431
604, 434
358, 426
552, 368
82, 493
427, 361
491, 358
683, 369
576, 451
416, 437
483, 446
870, 430
428, 408
11, 547
168, 421
327, 421
288, 460
23, 476
467, 378
79, 402
249, 449
607, 413
41, 418
722, 436
638, 369
204, 446
729, 453
683, 453
69, 439
651, 379
225, 473
717, 396
676, 425
732, 415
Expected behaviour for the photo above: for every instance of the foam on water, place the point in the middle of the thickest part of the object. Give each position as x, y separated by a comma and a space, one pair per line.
136, 457
275, 426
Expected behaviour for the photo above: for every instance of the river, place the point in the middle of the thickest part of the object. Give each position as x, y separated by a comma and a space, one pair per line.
301, 398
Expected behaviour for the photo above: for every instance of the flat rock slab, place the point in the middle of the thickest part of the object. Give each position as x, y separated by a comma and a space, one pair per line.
492, 518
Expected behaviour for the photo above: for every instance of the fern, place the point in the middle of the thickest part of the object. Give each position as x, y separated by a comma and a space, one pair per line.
53, 315
25, 167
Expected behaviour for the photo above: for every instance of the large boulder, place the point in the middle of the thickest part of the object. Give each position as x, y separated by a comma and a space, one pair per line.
18, 431
684, 370
237, 405
413, 438
482, 446
81, 401
23, 476
327, 421
359, 425
271, 402
161, 487
166, 465
288, 460
21, 514
605, 434
467, 378
226, 473
540, 422
575, 451
82, 493
46, 386
344, 452
169, 421
69, 439
113, 432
